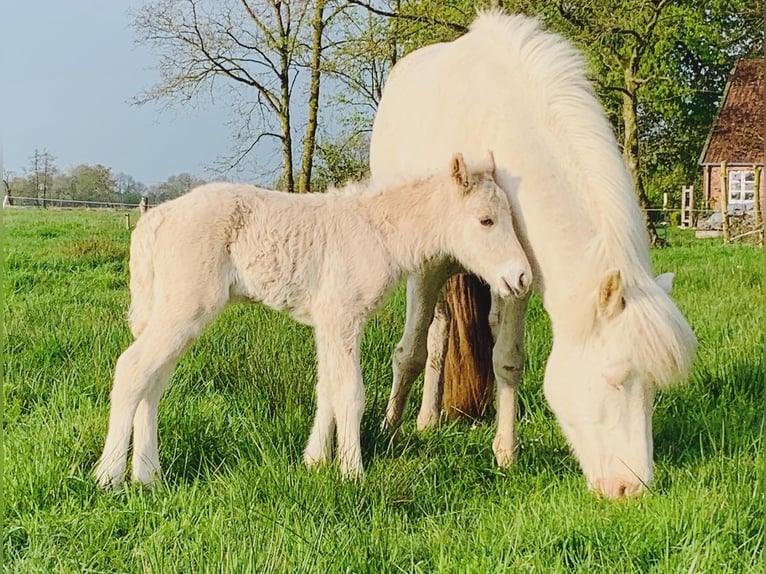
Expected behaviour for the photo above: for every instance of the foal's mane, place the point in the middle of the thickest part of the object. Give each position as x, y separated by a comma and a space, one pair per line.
662, 342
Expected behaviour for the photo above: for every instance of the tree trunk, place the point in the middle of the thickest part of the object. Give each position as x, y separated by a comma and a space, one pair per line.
284, 88
630, 148
309, 140
468, 374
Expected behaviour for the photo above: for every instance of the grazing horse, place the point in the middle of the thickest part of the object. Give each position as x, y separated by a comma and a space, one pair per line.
326, 259
617, 336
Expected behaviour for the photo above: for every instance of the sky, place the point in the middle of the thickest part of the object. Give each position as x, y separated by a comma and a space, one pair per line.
69, 70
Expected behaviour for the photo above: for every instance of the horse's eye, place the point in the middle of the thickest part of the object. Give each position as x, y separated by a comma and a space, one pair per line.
487, 221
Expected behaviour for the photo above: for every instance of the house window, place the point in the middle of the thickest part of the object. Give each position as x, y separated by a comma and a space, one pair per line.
741, 189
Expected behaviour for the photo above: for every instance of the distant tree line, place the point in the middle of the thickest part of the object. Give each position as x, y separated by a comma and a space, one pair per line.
44, 181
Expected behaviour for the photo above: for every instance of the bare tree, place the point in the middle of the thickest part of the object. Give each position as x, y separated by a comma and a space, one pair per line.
7, 178
243, 51
41, 171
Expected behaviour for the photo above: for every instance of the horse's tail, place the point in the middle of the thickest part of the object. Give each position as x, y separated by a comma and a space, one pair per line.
142, 270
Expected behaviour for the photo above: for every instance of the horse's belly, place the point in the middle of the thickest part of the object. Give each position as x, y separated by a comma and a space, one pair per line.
279, 283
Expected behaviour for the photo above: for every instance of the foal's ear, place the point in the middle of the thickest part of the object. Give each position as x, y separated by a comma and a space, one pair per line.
610, 299
491, 162
460, 171
665, 281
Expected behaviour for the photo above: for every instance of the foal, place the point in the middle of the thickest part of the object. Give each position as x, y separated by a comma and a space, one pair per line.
327, 260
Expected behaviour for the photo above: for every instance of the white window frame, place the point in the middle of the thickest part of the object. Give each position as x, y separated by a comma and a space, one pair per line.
741, 189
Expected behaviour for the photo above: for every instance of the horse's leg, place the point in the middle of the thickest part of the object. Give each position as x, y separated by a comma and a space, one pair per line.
135, 371
340, 396
411, 352
175, 336
146, 455
433, 378
508, 363
319, 447
141, 374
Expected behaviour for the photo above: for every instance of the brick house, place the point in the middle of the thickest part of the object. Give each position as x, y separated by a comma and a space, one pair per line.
737, 139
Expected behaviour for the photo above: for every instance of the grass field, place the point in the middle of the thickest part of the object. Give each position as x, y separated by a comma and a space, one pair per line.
238, 411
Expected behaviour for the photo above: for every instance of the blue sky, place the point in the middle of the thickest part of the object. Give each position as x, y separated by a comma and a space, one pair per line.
69, 71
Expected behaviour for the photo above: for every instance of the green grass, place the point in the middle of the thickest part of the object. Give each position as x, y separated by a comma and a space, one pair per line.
233, 423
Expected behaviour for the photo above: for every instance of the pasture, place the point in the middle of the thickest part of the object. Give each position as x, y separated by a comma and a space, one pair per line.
237, 414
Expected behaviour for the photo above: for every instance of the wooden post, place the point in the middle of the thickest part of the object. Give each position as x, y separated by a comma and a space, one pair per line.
687, 206
725, 202
127, 221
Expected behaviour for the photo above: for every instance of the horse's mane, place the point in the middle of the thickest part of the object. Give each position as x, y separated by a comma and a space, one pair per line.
557, 73
555, 70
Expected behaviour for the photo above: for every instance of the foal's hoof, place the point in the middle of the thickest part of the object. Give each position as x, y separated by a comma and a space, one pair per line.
313, 464
106, 480
352, 474
147, 477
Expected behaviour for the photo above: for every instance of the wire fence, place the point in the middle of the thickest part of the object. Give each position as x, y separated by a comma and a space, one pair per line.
61, 203
654, 214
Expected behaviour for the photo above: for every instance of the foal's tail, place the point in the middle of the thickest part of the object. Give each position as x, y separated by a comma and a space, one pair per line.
142, 270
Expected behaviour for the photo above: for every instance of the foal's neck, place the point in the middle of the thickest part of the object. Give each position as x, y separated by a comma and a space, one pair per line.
409, 219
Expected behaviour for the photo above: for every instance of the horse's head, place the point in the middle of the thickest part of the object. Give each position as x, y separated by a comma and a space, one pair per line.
484, 239
601, 386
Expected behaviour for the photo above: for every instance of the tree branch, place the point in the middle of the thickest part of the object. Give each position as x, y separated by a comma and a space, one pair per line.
410, 17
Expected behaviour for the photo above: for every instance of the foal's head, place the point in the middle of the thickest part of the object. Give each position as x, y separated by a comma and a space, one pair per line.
483, 237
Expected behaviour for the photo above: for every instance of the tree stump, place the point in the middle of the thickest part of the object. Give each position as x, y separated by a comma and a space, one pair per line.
468, 373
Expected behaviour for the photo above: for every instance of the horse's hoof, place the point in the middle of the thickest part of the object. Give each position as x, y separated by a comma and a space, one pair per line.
427, 421
505, 456
108, 482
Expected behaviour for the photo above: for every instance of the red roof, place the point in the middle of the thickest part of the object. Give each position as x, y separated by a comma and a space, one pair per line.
737, 134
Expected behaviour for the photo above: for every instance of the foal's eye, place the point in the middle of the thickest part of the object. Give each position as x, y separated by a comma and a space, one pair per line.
487, 221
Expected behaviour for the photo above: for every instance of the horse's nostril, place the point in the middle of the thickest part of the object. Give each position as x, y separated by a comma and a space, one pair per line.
523, 279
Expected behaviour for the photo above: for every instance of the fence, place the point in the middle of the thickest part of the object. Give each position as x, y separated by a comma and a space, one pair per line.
61, 203
661, 218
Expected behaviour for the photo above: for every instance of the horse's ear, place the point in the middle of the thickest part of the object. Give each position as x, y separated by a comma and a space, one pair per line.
460, 171
665, 281
610, 299
491, 162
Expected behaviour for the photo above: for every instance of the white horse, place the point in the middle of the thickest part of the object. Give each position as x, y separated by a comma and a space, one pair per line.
617, 336
327, 260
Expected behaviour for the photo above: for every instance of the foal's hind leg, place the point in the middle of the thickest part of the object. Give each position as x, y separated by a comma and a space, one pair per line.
146, 455
411, 352
508, 363
141, 374
136, 370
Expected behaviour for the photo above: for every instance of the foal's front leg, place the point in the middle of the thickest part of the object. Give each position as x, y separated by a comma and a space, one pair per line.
340, 397
508, 363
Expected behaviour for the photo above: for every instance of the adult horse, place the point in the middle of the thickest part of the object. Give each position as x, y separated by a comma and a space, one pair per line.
509, 86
